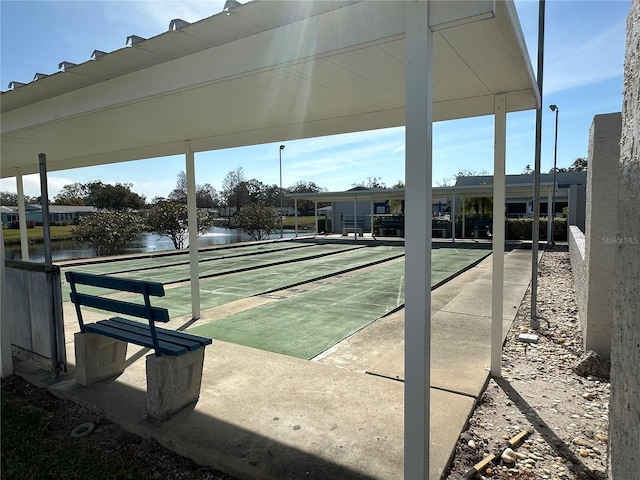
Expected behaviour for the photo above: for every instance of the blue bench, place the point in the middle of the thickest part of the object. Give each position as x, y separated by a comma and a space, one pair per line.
101, 346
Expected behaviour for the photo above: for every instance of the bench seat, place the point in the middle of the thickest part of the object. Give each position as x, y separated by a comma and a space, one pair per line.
170, 342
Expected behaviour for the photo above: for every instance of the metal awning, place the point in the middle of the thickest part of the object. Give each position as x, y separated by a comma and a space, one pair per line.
269, 71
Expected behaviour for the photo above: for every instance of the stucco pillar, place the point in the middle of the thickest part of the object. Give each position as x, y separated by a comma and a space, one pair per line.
418, 195
624, 416
600, 232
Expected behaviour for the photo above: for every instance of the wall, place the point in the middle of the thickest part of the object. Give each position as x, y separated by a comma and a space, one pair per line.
624, 416
600, 231
578, 268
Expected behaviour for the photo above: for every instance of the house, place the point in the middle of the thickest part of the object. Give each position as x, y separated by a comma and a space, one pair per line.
58, 214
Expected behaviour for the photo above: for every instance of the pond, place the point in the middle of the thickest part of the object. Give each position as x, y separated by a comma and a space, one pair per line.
145, 243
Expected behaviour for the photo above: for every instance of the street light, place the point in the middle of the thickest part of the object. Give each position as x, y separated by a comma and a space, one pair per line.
554, 108
281, 225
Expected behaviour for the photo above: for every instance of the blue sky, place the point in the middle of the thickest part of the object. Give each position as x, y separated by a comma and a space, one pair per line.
584, 58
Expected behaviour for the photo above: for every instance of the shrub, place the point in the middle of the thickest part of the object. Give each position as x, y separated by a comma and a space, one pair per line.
106, 231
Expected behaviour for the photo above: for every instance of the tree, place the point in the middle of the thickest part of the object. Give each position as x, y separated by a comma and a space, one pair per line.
10, 198
580, 164
371, 182
107, 231
179, 194
397, 206
73, 194
306, 207
171, 220
257, 220
113, 197
234, 189
206, 195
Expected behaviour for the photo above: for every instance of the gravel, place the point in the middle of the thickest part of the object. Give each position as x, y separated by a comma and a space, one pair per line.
566, 413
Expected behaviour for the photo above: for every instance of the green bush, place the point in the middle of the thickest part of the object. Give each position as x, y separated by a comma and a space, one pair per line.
520, 228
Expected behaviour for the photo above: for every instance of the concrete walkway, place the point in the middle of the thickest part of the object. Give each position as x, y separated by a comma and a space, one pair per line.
267, 416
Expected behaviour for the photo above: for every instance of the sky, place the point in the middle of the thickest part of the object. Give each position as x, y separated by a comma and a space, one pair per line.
583, 76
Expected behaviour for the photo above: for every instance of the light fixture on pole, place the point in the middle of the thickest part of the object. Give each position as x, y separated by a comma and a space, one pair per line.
281, 225
554, 108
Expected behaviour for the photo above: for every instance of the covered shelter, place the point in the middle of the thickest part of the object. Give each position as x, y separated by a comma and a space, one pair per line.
270, 71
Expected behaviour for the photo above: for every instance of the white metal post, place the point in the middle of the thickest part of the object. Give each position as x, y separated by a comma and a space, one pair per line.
497, 283
315, 212
22, 220
418, 194
295, 208
452, 217
194, 271
371, 207
464, 233
355, 218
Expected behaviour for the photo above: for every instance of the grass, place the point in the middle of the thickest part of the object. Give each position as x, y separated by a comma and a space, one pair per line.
304, 223
35, 235
29, 452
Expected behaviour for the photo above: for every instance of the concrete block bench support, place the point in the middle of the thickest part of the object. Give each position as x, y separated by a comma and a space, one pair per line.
174, 370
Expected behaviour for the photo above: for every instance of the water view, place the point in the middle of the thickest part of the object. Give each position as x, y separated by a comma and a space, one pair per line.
145, 243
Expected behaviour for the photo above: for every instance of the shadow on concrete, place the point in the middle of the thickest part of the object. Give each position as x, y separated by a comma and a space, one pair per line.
209, 440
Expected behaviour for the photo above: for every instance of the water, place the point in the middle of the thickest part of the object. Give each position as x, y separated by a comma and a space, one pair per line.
145, 243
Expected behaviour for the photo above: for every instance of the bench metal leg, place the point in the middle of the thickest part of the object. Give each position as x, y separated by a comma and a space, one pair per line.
173, 382
98, 357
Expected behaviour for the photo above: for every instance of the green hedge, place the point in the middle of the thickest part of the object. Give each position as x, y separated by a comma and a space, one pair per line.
520, 228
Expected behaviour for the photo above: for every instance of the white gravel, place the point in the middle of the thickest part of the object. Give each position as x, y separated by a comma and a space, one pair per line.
566, 413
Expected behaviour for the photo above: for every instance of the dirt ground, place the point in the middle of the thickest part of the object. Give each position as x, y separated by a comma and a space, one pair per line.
566, 413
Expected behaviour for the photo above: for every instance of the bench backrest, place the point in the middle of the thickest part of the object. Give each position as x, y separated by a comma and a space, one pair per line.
153, 314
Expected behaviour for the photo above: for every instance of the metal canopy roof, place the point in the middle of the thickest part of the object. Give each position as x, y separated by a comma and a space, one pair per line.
270, 71
513, 190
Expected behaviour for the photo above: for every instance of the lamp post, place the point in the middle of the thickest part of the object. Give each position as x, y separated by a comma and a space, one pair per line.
554, 108
281, 224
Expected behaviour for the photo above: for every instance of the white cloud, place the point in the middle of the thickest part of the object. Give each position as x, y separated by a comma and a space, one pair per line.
577, 60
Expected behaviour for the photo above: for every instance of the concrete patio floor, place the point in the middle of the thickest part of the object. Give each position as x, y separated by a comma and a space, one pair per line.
263, 415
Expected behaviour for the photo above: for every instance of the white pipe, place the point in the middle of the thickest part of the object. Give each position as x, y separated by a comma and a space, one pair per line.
418, 195
497, 277
193, 234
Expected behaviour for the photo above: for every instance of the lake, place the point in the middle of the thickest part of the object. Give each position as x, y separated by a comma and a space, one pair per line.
145, 243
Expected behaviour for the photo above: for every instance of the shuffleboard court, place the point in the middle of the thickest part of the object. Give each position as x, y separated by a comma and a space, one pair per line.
305, 325
227, 288
166, 259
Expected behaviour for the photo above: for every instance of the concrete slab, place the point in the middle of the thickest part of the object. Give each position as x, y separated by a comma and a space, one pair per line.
270, 416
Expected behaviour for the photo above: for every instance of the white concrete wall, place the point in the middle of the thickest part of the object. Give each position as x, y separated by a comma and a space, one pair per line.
600, 232
578, 269
624, 417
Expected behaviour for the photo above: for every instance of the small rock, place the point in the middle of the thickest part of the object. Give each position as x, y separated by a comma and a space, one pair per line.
583, 453
591, 364
472, 444
509, 456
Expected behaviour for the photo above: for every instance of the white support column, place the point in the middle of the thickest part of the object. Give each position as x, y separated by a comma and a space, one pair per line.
193, 235
22, 219
452, 217
371, 208
497, 278
549, 215
355, 218
6, 362
295, 213
464, 207
418, 194
315, 212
